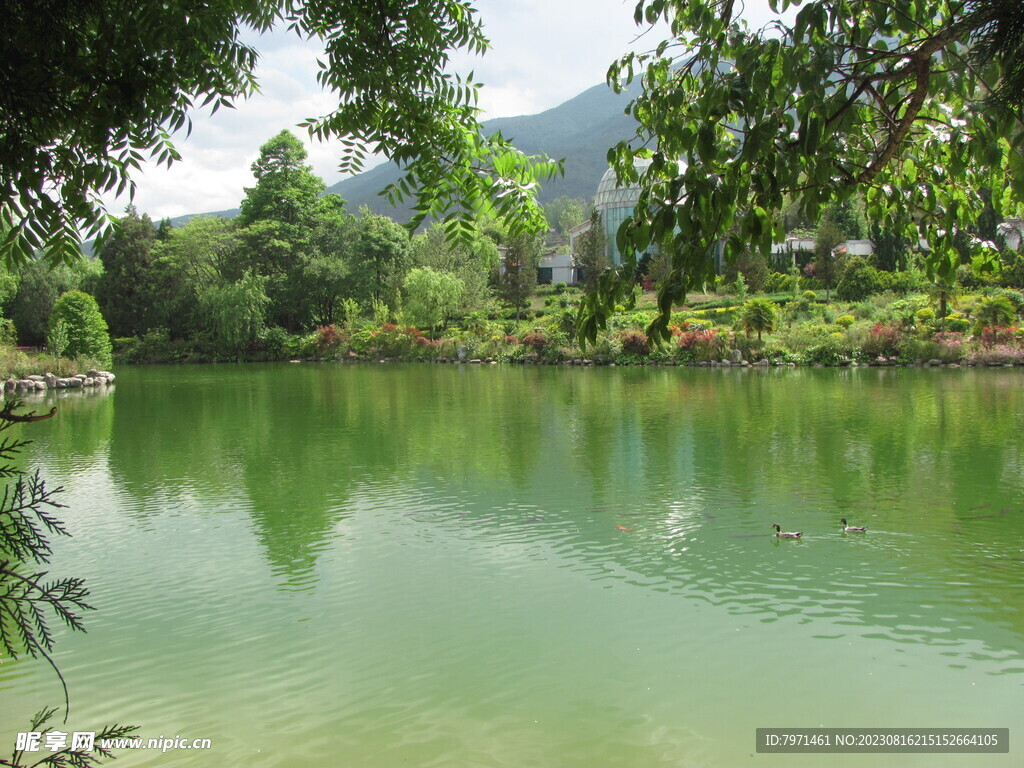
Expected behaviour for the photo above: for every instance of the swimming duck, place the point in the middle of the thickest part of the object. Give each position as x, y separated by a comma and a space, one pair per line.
781, 534
851, 528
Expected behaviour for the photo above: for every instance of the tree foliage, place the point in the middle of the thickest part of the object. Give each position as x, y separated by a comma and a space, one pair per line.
591, 252
380, 258
522, 254
829, 236
473, 263
87, 334
994, 311
286, 188
127, 261
237, 310
885, 100
859, 280
431, 297
89, 89
758, 316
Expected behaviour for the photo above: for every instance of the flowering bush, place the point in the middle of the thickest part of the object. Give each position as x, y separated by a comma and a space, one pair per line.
703, 345
390, 341
950, 339
994, 334
997, 354
430, 349
883, 341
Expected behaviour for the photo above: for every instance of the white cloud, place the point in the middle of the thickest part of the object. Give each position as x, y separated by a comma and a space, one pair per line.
543, 53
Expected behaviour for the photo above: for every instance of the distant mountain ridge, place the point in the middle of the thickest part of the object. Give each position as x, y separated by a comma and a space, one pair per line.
581, 130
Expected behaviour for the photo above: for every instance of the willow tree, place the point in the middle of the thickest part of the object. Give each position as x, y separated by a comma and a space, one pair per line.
915, 106
88, 90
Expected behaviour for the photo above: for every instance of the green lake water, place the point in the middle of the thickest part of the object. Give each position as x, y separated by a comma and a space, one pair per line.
376, 566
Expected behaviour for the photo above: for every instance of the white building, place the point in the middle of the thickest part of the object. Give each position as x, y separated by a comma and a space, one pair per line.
553, 267
1012, 231
785, 253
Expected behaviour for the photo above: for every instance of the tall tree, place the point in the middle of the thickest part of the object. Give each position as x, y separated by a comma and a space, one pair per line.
195, 257
380, 259
522, 254
127, 270
886, 100
325, 274
591, 252
829, 236
89, 88
890, 248
286, 188
277, 220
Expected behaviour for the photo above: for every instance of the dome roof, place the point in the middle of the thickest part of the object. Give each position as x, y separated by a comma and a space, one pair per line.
610, 195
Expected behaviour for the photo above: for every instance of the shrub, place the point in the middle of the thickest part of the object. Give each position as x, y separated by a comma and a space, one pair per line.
536, 341
810, 296
87, 334
968, 278
949, 346
430, 349
777, 282
866, 310
994, 311
154, 346
957, 323
859, 281
8, 333
1014, 297
1012, 273
829, 352
991, 335
845, 321
998, 354
740, 287
388, 341
277, 343
883, 341
561, 288
904, 311
925, 315
328, 340
909, 281
635, 343
700, 346
758, 316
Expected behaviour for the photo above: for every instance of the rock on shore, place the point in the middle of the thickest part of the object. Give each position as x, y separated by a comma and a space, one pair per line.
92, 378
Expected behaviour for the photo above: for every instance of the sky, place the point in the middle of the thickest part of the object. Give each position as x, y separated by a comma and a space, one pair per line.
543, 53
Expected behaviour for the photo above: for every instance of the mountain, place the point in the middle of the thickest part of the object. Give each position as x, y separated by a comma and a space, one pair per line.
180, 221
581, 130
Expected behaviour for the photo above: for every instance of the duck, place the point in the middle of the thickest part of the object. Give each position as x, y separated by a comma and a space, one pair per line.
851, 528
781, 534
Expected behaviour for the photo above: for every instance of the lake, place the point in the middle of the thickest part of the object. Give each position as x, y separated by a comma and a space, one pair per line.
422, 565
